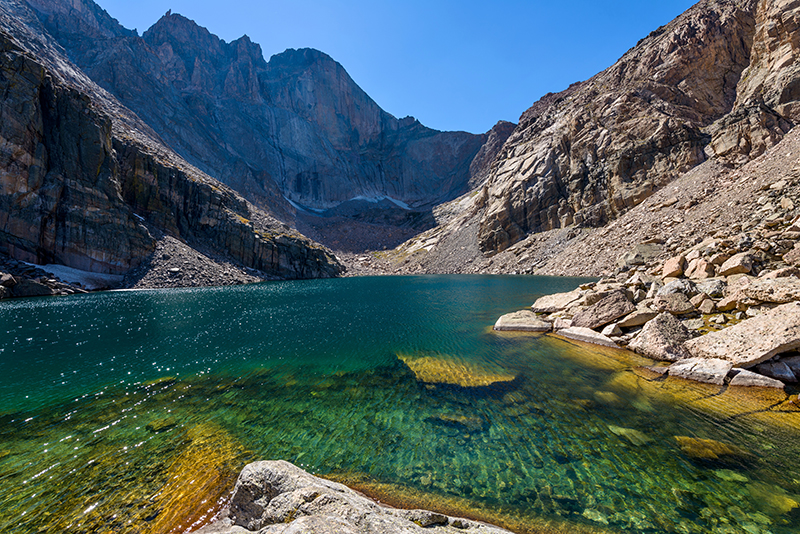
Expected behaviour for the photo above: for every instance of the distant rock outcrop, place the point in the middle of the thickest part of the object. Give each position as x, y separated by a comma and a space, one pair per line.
768, 93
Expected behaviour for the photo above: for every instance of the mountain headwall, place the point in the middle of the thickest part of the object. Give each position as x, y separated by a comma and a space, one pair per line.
296, 128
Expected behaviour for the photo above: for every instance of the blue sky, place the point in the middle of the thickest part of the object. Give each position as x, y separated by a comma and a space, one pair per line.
454, 65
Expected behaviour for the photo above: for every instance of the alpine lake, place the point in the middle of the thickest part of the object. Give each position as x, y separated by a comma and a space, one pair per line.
134, 411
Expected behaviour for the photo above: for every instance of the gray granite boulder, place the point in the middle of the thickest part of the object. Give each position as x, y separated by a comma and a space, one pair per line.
711, 371
714, 288
586, 335
778, 371
745, 378
753, 341
662, 339
674, 303
556, 302
682, 286
276, 497
522, 321
608, 309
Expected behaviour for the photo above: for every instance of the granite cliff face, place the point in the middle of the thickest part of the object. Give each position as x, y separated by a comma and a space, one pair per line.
587, 154
768, 93
84, 181
296, 128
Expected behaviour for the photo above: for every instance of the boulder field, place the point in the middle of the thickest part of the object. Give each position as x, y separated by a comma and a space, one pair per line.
721, 312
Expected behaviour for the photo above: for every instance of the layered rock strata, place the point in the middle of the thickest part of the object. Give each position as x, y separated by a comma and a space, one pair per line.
587, 154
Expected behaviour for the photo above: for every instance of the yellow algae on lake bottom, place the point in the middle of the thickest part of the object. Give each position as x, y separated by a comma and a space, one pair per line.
440, 369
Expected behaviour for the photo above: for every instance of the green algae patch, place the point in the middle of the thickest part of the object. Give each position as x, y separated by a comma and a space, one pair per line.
440, 369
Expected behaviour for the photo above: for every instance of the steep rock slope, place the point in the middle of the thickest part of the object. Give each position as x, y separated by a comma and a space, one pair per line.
81, 176
587, 154
745, 194
296, 127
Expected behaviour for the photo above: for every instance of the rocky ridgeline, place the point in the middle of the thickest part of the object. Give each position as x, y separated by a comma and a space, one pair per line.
724, 310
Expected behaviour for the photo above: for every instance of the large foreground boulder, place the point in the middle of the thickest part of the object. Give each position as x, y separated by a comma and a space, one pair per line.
752, 341
276, 497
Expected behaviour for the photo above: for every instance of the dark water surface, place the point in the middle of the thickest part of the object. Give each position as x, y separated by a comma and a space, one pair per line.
134, 411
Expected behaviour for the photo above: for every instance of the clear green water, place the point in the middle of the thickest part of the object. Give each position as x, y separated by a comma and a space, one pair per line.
93, 437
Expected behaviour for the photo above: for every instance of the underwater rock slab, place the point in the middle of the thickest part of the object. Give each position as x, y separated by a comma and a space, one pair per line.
522, 321
441, 370
706, 449
279, 497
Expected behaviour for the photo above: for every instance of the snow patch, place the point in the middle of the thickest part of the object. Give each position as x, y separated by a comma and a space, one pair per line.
302, 208
375, 200
86, 279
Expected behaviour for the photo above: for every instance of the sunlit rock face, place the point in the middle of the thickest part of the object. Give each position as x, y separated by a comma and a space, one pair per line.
591, 152
768, 93
296, 127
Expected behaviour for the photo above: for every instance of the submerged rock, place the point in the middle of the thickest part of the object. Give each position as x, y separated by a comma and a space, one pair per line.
586, 335
441, 370
635, 437
282, 498
706, 449
522, 321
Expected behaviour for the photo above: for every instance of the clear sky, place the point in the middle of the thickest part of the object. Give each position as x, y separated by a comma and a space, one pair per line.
452, 64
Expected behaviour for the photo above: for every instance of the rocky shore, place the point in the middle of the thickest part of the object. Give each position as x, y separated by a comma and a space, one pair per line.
724, 311
274, 497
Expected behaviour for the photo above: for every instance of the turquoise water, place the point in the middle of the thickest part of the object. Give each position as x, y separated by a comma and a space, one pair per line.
111, 402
